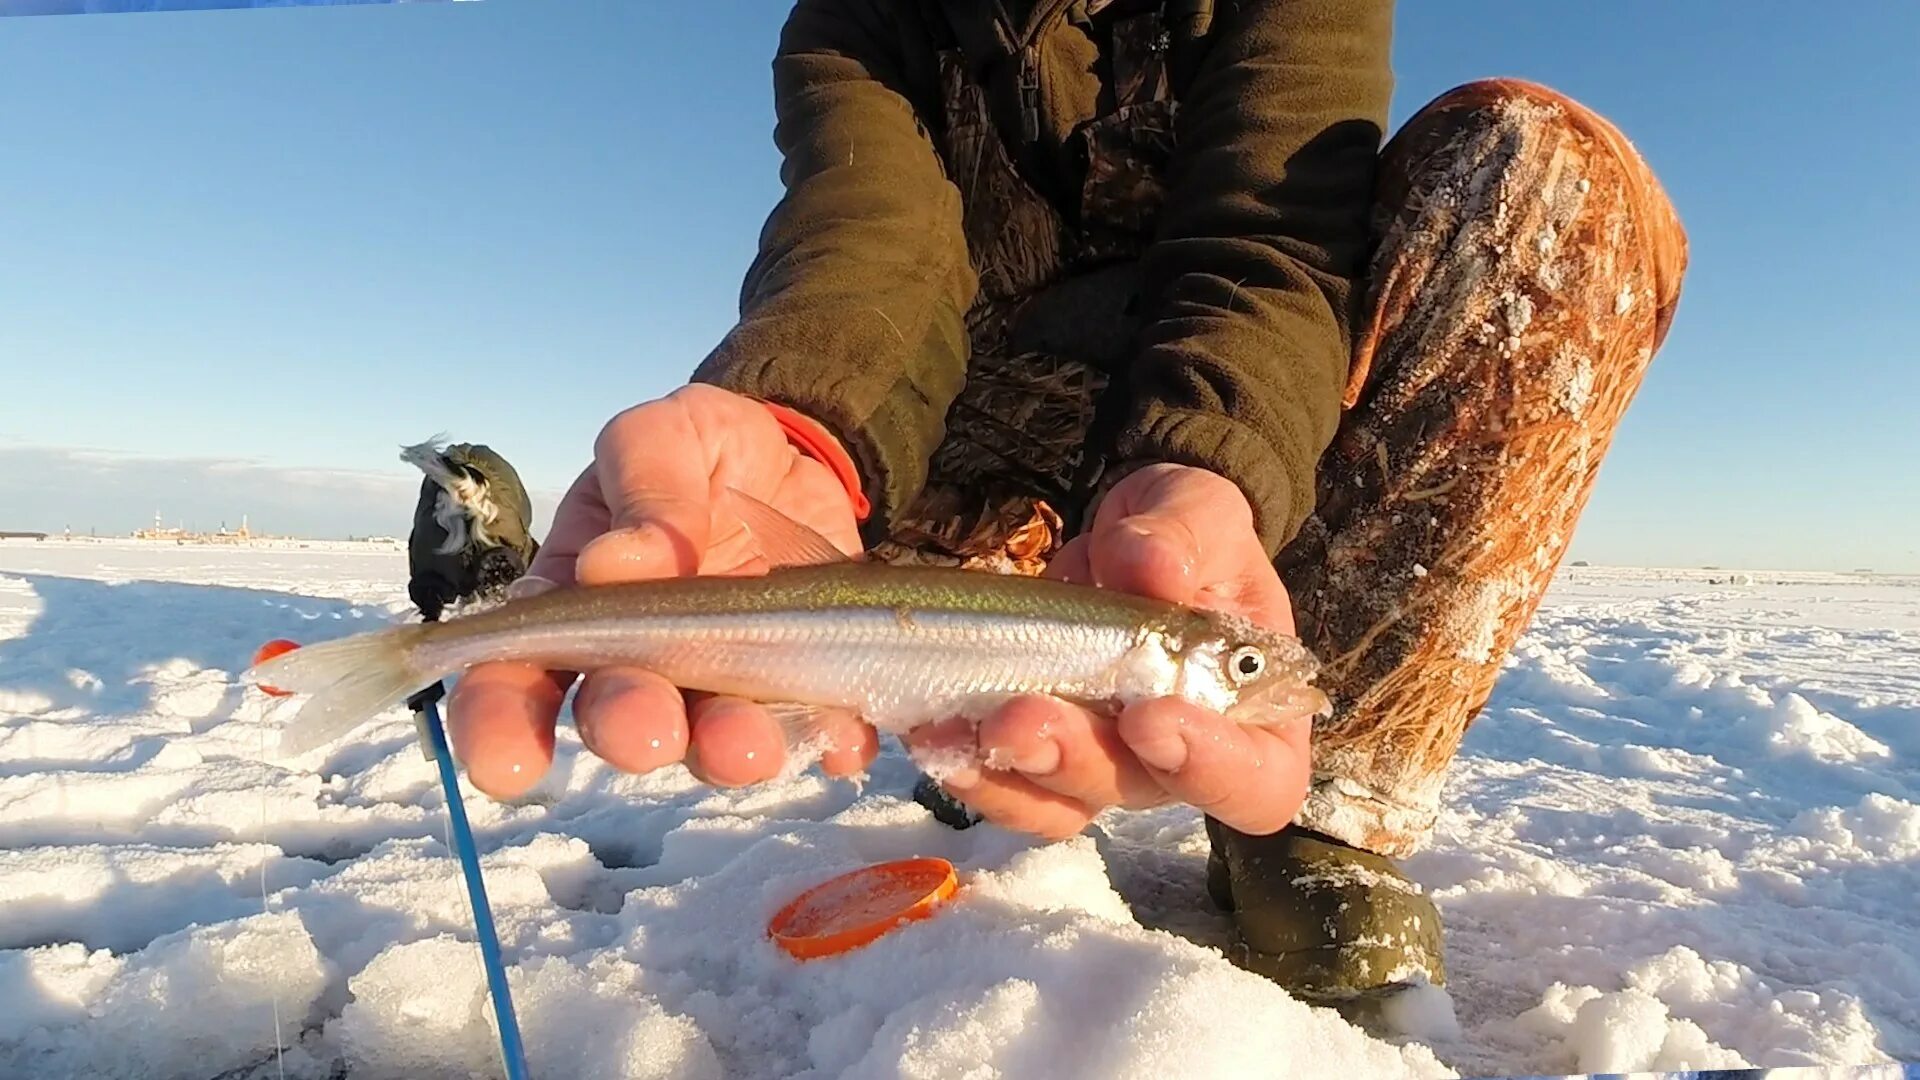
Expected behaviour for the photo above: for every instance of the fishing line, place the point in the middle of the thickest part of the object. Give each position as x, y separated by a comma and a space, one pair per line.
512, 1054
279, 1051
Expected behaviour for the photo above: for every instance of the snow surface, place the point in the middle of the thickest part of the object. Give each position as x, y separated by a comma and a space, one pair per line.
1684, 835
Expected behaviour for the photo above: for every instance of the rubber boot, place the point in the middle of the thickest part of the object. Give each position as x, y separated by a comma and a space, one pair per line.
1330, 923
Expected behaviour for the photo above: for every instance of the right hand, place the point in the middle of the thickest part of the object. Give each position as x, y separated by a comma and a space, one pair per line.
644, 509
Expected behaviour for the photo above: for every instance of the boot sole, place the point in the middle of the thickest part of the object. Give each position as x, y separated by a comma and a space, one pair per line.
1313, 975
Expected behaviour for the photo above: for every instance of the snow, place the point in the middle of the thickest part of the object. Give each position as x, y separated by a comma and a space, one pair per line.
1684, 835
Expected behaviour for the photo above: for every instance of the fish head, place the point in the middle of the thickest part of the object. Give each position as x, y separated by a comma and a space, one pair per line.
1253, 674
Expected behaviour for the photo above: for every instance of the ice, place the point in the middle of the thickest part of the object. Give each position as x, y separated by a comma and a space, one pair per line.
1684, 834
121, 897
420, 1010
196, 1003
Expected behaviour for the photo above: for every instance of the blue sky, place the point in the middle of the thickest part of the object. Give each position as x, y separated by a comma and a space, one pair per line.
244, 254
123, 7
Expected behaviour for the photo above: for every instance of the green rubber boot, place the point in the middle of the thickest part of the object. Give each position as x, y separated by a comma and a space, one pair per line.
1330, 923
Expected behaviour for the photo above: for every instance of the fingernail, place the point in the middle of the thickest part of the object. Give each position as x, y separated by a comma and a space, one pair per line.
1139, 533
1042, 760
1155, 534
656, 544
963, 778
1165, 753
530, 585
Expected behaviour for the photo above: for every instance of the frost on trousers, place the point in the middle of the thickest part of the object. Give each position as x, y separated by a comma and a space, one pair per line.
1494, 366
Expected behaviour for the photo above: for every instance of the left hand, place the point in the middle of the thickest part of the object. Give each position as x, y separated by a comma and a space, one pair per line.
644, 510
1174, 533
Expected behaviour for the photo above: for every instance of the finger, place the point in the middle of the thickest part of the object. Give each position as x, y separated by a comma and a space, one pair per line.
1252, 779
1183, 491
804, 490
734, 742
631, 718
1153, 555
530, 584
946, 749
1070, 563
811, 493
1069, 751
1007, 799
1187, 535
581, 516
500, 721
651, 536
852, 744
1011, 801
752, 453
652, 469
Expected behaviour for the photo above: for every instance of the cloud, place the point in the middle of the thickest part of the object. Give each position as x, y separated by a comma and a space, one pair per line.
50, 488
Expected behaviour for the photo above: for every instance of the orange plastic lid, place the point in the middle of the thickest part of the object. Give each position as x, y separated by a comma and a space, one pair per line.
267, 652
853, 909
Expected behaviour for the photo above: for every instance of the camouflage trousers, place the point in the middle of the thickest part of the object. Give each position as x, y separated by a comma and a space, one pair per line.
1526, 268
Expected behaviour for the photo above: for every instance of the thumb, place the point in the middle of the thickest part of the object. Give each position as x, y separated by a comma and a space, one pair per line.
653, 470
1149, 555
1186, 535
654, 534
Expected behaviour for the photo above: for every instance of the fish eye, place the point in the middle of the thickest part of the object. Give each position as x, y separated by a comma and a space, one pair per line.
1247, 663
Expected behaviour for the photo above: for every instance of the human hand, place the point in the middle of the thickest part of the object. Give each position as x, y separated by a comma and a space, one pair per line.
644, 509
1175, 533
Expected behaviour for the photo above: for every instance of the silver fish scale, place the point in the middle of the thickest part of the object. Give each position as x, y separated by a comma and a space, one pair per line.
898, 668
899, 645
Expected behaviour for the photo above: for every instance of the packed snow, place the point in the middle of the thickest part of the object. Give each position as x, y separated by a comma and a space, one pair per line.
1684, 835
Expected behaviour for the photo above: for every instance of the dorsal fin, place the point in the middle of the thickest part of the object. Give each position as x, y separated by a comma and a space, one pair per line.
782, 540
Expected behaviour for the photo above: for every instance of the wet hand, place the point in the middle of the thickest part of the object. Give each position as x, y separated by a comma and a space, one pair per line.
645, 509
1175, 533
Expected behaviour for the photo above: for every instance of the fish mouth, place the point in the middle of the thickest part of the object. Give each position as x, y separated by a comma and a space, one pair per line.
1280, 703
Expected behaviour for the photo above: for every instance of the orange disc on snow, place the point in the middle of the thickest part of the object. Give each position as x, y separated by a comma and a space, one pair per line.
267, 652
855, 908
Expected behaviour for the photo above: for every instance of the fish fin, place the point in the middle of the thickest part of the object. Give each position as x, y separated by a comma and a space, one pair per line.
798, 722
806, 741
784, 541
352, 680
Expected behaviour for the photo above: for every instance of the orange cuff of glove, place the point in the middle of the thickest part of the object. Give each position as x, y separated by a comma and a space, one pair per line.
812, 439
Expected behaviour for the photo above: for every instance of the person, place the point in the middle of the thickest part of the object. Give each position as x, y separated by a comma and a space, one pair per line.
1131, 293
472, 527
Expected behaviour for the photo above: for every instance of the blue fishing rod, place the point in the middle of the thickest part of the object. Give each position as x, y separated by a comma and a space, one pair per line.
426, 716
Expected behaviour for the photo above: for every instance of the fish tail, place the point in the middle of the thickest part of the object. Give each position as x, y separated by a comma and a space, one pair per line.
352, 680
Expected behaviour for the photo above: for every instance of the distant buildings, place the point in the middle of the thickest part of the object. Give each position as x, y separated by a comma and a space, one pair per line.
179, 534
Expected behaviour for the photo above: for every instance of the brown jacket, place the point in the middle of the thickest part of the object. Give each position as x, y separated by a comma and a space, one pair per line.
855, 310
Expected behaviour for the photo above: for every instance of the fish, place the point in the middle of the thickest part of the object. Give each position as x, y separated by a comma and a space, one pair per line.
900, 646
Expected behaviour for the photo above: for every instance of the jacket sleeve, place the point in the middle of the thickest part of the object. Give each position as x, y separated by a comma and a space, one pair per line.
853, 311
1250, 285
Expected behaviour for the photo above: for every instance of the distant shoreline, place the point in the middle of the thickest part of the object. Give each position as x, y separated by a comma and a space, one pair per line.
1732, 577
275, 543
